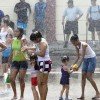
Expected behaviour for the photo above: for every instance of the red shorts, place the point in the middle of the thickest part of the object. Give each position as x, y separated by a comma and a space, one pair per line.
34, 81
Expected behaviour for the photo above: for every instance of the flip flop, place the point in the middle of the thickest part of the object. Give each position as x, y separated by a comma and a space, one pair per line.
14, 98
96, 98
81, 98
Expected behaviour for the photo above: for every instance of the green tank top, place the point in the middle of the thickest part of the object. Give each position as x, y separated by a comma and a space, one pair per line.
18, 55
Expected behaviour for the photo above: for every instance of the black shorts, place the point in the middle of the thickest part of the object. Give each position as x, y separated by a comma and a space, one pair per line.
5, 59
71, 26
94, 25
20, 65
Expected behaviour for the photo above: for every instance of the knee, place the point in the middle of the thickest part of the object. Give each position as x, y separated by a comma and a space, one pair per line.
21, 80
84, 77
12, 79
89, 77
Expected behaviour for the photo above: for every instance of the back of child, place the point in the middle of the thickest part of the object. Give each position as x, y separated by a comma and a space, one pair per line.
65, 75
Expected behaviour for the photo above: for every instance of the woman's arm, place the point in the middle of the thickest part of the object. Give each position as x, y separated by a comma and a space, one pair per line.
83, 54
3, 47
41, 52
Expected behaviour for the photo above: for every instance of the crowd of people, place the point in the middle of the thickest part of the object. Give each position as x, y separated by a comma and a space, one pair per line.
18, 53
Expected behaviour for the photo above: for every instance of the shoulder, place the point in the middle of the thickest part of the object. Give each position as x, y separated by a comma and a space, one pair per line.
84, 44
17, 4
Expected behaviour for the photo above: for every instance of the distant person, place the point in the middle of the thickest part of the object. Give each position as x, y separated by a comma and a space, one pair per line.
5, 30
93, 18
11, 23
87, 56
39, 16
72, 14
1, 16
23, 10
64, 81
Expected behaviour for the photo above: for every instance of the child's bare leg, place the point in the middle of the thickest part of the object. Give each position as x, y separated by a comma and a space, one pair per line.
35, 93
62, 91
67, 90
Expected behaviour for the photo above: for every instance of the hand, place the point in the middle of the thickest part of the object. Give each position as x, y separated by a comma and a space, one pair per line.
24, 48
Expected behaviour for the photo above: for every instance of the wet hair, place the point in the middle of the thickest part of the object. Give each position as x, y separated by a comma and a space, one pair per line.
7, 16
64, 58
9, 35
34, 57
6, 22
21, 32
74, 37
70, 1
35, 35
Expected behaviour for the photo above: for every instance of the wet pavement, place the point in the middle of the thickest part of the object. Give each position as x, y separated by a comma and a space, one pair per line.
54, 89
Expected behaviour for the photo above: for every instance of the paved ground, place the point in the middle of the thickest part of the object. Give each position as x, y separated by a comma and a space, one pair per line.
54, 89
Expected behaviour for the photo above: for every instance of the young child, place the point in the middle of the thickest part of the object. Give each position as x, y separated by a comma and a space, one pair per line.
34, 70
64, 81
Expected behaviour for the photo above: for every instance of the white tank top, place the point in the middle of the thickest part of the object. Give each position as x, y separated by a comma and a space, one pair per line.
46, 57
89, 52
3, 35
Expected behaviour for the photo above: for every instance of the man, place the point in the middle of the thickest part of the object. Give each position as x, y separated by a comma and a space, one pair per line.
39, 14
73, 14
86, 55
93, 18
21, 9
11, 24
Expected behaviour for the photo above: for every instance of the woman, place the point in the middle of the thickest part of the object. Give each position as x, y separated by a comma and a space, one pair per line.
86, 55
44, 62
19, 63
5, 30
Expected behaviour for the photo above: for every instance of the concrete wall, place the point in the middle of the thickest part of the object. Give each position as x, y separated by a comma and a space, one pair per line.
8, 5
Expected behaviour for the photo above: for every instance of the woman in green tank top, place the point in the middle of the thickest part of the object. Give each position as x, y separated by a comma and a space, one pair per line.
19, 63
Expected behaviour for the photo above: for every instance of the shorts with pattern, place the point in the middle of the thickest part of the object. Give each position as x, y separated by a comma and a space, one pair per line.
94, 25
45, 66
71, 26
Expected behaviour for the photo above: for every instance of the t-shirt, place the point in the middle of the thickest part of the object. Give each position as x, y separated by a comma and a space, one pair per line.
40, 9
3, 33
72, 13
22, 8
94, 12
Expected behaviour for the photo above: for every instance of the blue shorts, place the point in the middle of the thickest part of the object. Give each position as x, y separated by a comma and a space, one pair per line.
22, 25
89, 65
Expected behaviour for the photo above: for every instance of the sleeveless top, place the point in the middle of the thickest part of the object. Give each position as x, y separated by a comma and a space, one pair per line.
46, 57
89, 52
3, 35
18, 55
64, 73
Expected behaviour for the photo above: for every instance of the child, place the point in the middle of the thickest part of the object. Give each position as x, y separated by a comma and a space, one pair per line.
34, 70
5, 57
65, 77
